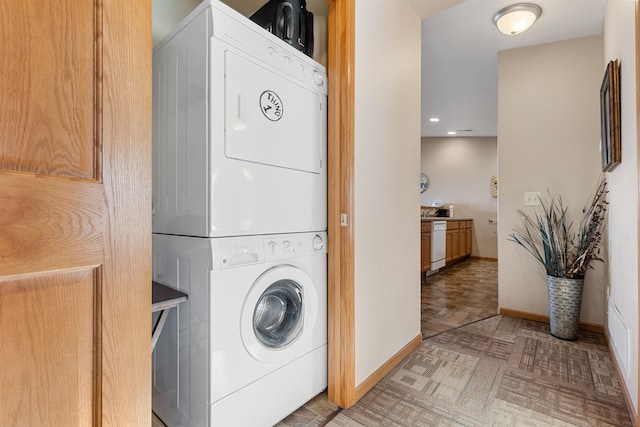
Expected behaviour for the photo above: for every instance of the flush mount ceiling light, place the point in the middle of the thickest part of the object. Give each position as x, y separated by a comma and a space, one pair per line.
517, 18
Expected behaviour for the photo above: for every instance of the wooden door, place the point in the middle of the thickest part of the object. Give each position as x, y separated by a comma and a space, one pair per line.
75, 224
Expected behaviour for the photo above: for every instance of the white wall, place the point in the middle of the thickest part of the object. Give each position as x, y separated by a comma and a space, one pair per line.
459, 172
167, 14
619, 34
548, 138
387, 171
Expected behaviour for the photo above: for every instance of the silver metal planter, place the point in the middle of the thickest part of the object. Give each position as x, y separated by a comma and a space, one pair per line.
565, 301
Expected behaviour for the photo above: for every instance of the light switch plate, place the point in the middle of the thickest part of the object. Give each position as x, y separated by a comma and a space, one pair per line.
532, 198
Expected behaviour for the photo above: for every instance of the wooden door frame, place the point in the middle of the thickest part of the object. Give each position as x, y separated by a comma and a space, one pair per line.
126, 130
341, 142
637, 37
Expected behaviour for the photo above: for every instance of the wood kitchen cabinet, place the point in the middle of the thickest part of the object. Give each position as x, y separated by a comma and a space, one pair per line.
425, 246
469, 246
462, 234
459, 240
453, 241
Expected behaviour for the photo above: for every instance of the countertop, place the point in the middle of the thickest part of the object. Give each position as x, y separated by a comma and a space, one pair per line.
444, 218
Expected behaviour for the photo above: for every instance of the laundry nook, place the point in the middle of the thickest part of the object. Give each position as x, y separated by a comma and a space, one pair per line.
239, 221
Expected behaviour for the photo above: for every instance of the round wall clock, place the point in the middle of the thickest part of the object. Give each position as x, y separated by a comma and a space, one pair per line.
424, 182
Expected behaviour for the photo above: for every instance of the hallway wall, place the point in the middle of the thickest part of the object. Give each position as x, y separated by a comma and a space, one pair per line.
386, 172
548, 138
622, 260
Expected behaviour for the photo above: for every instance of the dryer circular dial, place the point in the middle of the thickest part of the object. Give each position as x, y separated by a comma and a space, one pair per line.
318, 78
317, 243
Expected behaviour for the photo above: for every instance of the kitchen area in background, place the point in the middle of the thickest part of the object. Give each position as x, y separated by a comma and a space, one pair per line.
459, 171
461, 191
444, 241
458, 232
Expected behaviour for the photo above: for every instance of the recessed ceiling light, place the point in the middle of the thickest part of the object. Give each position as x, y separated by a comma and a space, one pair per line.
434, 119
451, 133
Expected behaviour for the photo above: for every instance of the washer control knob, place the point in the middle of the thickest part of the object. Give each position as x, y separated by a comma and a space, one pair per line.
318, 78
271, 247
286, 245
317, 243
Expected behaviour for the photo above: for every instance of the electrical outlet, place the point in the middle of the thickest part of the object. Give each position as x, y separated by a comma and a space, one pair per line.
532, 198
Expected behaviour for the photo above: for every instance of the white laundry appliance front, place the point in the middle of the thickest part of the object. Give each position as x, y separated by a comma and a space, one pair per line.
250, 345
239, 130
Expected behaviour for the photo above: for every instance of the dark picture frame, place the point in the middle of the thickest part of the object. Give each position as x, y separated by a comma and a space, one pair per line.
610, 117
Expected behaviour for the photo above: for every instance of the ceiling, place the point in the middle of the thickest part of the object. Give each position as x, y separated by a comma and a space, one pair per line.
460, 48
423, 8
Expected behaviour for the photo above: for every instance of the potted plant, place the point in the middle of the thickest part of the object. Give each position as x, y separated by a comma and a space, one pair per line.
565, 255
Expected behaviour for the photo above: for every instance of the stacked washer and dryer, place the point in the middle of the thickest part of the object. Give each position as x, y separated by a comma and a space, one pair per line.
239, 222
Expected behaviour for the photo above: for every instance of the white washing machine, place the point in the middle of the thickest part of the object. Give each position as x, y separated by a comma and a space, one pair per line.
239, 130
250, 345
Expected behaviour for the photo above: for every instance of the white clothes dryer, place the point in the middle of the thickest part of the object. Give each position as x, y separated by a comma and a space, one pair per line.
250, 345
239, 130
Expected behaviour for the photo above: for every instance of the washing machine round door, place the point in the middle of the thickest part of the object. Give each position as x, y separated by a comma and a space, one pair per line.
277, 318
280, 308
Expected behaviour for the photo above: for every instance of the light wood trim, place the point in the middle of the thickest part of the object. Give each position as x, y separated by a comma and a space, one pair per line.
340, 139
126, 170
637, 27
484, 258
590, 327
383, 370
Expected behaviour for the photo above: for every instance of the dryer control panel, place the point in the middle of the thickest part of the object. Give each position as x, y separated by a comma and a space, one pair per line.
283, 246
231, 252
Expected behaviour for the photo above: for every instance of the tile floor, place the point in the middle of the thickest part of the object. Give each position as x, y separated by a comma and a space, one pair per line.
499, 371
532, 378
457, 295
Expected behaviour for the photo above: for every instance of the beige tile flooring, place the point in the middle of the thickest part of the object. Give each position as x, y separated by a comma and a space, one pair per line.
457, 295
499, 371
534, 380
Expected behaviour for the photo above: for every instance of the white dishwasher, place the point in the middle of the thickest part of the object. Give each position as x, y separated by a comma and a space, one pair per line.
438, 244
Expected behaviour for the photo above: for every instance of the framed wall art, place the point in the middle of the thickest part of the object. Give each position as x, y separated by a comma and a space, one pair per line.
610, 117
